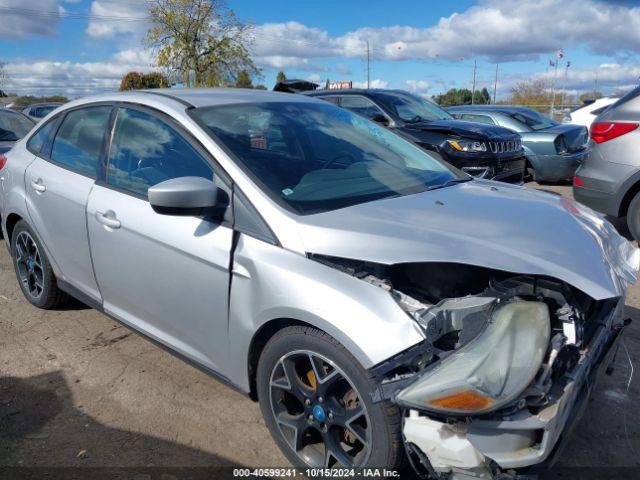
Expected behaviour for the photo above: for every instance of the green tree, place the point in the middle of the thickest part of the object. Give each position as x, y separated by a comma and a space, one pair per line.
201, 40
23, 102
281, 77
139, 81
243, 80
462, 96
260, 87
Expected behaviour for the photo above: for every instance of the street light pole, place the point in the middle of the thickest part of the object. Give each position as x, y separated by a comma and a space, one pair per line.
473, 88
368, 67
553, 96
495, 85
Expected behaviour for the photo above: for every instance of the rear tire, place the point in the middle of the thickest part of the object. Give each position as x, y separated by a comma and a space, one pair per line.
633, 217
33, 270
333, 388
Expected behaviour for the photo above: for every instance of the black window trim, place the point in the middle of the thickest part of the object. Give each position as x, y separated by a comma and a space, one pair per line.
47, 141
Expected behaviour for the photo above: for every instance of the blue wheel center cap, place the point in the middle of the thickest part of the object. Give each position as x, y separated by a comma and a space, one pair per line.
318, 413
30, 264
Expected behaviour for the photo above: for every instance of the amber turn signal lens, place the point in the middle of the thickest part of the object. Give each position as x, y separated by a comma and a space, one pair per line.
467, 401
455, 145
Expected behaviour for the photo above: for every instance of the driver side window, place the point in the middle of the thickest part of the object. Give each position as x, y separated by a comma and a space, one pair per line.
361, 105
146, 151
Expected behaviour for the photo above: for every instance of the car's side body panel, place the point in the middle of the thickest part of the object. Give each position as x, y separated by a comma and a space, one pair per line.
361, 316
166, 276
58, 215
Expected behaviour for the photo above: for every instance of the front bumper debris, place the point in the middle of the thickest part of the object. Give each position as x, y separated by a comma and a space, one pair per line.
477, 446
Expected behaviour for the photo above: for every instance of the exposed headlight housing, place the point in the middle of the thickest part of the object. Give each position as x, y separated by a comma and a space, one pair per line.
468, 145
490, 371
479, 171
561, 144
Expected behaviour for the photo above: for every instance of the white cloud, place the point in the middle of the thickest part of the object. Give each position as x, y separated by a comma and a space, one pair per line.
376, 83
74, 78
19, 19
503, 30
121, 18
417, 86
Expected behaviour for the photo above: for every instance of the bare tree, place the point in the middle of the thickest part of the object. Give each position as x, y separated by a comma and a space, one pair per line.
202, 40
3, 78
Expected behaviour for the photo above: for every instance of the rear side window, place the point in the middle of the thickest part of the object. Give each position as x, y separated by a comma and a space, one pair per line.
37, 141
79, 140
146, 151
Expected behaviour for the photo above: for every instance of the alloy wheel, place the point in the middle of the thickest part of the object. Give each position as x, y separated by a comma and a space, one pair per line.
319, 412
29, 263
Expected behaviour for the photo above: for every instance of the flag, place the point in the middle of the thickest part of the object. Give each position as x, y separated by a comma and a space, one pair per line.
560, 53
568, 63
552, 63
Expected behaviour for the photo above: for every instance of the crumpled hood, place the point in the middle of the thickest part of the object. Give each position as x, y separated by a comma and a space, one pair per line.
470, 130
482, 223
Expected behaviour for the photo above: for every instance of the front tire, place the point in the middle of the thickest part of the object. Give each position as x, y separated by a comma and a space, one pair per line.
316, 401
35, 275
633, 217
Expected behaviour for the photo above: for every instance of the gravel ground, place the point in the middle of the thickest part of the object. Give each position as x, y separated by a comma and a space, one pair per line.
79, 390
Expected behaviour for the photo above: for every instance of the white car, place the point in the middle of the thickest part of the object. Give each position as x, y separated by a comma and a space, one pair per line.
587, 114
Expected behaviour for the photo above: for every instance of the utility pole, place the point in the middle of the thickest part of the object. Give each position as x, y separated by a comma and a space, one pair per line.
564, 83
495, 85
595, 86
553, 96
473, 88
368, 67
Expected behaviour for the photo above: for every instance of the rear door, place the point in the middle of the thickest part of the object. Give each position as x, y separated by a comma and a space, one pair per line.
167, 276
58, 183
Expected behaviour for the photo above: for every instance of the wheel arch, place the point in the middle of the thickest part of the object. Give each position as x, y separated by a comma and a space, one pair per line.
629, 193
260, 340
10, 224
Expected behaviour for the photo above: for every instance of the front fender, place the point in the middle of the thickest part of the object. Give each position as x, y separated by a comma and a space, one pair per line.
269, 282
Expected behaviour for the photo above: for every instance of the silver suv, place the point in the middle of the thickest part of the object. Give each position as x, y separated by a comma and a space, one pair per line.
609, 179
376, 302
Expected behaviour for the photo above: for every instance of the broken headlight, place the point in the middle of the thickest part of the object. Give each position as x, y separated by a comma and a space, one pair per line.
492, 370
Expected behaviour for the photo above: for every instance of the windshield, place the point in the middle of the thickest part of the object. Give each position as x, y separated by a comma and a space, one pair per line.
316, 157
13, 126
411, 108
534, 120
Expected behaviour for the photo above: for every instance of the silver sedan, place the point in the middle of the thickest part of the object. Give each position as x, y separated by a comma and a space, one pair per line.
378, 303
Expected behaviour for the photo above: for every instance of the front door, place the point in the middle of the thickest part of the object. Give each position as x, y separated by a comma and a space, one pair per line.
167, 276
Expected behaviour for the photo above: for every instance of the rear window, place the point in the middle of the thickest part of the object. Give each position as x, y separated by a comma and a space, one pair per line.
532, 119
13, 126
627, 98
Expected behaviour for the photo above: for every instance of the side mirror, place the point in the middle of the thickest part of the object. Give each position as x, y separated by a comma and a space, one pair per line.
183, 196
381, 119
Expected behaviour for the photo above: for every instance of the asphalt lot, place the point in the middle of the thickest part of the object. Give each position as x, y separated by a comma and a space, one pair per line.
79, 390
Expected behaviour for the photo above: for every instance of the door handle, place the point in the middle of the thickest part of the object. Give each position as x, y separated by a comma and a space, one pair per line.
108, 219
38, 186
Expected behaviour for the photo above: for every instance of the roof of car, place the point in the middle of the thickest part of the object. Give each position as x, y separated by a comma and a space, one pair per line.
205, 97
350, 91
489, 108
46, 104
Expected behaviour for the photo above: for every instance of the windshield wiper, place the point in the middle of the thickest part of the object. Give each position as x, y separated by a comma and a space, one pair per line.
448, 183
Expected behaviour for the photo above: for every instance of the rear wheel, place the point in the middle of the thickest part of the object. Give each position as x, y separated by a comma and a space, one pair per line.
633, 217
35, 276
315, 398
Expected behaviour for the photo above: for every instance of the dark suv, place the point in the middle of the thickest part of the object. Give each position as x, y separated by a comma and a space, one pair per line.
482, 151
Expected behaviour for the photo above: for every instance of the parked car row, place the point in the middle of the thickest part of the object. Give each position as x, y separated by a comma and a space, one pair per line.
380, 304
609, 179
553, 150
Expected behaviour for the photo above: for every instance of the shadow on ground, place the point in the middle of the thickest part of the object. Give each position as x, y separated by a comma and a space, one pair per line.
28, 442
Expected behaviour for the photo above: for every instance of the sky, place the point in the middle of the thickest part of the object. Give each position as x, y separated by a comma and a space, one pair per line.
80, 47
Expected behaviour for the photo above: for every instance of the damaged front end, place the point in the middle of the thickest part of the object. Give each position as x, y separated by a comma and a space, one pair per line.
506, 363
